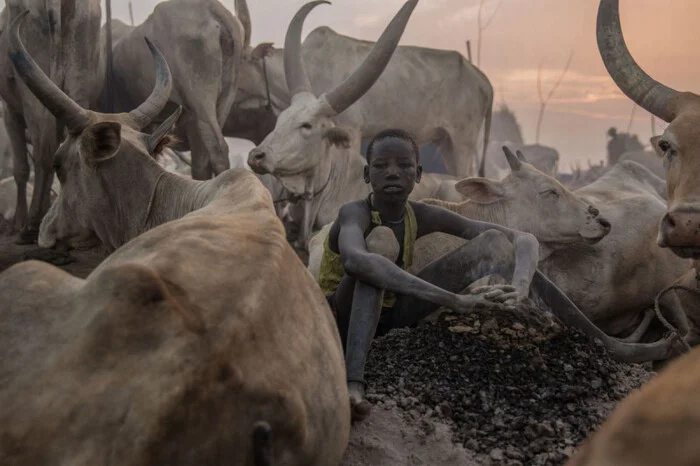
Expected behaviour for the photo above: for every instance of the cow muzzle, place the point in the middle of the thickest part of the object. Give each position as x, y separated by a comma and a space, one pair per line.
680, 231
257, 160
596, 228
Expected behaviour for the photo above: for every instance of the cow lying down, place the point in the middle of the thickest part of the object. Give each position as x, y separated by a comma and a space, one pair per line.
174, 350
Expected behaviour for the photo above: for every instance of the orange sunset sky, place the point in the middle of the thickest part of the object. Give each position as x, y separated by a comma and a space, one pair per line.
661, 35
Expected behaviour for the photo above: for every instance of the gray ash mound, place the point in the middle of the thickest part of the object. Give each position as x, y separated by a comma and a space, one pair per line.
518, 388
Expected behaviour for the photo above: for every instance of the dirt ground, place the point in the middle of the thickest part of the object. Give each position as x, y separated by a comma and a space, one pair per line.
11, 253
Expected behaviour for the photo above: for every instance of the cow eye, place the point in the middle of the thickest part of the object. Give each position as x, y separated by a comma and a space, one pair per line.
306, 126
664, 146
550, 192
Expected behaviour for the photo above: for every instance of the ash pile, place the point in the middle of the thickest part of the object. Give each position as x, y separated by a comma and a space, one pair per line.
517, 387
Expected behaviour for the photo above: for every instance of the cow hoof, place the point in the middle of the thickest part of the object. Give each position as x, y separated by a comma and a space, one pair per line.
28, 235
51, 256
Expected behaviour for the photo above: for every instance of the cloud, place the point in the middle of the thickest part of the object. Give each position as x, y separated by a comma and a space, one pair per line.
576, 88
367, 20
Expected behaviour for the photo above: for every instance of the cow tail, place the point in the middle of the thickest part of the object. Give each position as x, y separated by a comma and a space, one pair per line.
262, 444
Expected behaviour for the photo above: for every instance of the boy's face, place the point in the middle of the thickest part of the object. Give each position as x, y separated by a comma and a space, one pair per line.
393, 169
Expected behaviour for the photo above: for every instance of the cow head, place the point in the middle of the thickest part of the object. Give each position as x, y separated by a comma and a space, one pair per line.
531, 201
85, 161
295, 146
679, 145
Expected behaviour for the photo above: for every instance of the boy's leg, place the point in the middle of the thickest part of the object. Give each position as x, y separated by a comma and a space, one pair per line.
358, 317
489, 253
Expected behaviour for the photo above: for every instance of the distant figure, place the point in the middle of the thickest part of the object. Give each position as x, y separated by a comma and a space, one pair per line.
621, 143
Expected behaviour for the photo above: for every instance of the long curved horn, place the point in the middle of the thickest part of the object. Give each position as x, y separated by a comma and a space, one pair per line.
627, 74
358, 83
49, 94
297, 80
144, 114
512, 159
243, 14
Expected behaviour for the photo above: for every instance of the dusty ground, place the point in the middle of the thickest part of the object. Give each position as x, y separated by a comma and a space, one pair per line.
506, 389
11, 253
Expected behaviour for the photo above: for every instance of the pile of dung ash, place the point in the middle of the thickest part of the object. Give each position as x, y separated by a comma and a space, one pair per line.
517, 387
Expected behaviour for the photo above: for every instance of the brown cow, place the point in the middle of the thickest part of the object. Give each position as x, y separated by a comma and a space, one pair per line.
679, 145
174, 350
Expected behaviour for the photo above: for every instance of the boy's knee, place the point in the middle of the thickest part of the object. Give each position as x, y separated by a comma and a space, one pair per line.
494, 241
382, 241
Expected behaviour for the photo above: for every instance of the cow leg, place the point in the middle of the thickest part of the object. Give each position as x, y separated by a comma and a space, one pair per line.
488, 254
14, 124
43, 178
201, 164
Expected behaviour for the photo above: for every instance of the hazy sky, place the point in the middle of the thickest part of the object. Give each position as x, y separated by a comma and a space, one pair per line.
661, 35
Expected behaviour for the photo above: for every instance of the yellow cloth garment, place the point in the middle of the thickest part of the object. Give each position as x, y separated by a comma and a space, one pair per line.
332, 270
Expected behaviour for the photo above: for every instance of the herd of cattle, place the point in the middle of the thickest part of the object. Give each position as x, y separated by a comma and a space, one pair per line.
201, 337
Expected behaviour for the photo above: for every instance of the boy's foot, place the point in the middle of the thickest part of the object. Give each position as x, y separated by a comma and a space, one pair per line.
359, 406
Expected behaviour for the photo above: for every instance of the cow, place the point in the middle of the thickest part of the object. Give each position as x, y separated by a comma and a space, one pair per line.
203, 42
603, 269
173, 350
657, 424
613, 281
451, 117
64, 39
649, 159
679, 145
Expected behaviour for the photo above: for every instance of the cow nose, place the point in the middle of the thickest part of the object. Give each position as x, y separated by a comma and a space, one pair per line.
681, 228
256, 155
255, 159
604, 223
593, 211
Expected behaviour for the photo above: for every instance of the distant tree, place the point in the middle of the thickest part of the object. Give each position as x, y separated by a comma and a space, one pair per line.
544, 101
482, 27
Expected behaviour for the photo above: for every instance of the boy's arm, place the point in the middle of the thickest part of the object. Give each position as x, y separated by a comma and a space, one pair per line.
381, 272
433, 219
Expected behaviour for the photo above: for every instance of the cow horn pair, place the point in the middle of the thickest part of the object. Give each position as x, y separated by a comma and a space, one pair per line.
514, 160
627, 74
358, 83
75, 117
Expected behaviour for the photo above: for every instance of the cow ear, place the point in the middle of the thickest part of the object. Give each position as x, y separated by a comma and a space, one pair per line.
101, 141
262, 50
160, 138
480, 190
338, 137
654, 141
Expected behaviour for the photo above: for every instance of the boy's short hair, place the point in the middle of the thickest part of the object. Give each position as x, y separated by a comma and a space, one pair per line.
393, 134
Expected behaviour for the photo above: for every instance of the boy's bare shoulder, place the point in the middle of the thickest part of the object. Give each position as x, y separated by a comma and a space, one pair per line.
355, 210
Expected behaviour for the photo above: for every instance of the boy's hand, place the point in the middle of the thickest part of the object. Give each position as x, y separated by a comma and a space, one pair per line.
466, 304
505, 294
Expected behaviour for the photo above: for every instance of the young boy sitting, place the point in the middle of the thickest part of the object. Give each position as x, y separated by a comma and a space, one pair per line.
370, 247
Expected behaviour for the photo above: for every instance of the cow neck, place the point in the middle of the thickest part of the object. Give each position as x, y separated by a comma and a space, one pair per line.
494, 212
173, 197
345, 174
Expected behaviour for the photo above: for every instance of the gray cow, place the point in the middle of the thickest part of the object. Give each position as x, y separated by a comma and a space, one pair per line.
203, 43
406, 96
